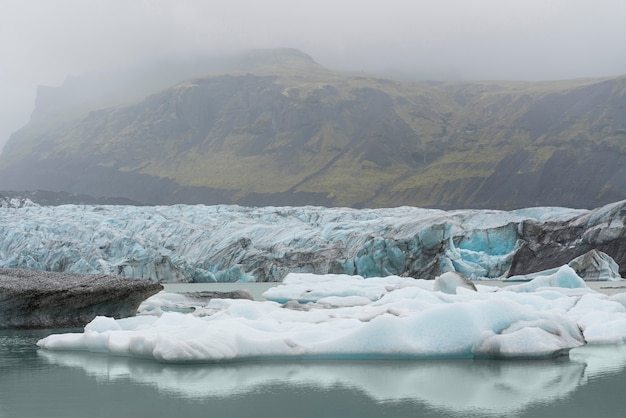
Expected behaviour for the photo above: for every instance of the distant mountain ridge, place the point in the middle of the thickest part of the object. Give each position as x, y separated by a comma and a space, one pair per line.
273, 127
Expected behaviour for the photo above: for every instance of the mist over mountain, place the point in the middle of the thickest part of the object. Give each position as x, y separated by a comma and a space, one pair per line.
273, 127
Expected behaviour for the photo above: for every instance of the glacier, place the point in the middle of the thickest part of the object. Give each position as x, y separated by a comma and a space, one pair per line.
333, 316
15, 202
195, 243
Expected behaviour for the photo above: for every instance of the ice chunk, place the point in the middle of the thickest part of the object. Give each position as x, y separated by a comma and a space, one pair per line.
543, 337
37, 299
449, 281
563, 277
305, 287
189, 302
348, 317
602, 320
595, 266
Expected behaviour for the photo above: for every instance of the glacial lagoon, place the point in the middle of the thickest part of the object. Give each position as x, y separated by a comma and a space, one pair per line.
38, 383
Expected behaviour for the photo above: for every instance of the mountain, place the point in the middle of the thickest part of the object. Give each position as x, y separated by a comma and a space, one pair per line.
273, 127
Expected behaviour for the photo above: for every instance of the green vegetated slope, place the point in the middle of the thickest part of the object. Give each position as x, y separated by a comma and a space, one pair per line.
284, 130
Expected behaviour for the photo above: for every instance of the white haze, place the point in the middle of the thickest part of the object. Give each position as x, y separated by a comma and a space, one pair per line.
43, 41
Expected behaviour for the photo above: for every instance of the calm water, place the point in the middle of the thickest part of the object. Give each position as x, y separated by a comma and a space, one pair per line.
36, 383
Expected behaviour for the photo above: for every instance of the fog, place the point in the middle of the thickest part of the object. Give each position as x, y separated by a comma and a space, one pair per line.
43, 41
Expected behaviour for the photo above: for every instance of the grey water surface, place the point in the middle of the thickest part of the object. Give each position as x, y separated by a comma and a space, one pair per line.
37, 383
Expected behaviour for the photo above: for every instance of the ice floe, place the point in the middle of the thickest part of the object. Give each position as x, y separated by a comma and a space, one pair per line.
349, 317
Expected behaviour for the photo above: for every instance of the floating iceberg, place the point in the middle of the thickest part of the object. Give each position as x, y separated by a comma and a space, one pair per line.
231, 243
38, 299
349, 317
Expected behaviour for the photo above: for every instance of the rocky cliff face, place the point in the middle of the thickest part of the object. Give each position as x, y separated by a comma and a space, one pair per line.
286, 131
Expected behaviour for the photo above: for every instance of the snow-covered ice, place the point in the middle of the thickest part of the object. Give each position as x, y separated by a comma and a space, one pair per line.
349, 317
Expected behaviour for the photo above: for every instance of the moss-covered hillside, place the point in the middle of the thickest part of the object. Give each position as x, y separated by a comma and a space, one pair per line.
285, 131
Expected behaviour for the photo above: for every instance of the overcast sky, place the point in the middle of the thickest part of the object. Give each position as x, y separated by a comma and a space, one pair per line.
43, 41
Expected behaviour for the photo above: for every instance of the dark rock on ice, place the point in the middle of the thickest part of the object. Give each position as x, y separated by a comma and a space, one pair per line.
40, 299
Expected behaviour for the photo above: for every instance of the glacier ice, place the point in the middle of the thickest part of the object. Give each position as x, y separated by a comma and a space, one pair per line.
15, 202
230, 243
349, 317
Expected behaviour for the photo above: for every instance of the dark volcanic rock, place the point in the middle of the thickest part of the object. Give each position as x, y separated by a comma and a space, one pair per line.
39, 299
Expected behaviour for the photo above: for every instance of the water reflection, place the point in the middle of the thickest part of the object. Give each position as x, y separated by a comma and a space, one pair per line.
462, 387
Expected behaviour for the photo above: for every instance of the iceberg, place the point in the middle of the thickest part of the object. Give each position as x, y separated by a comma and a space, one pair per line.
196, 243
37, 299
349, 317
596, 266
